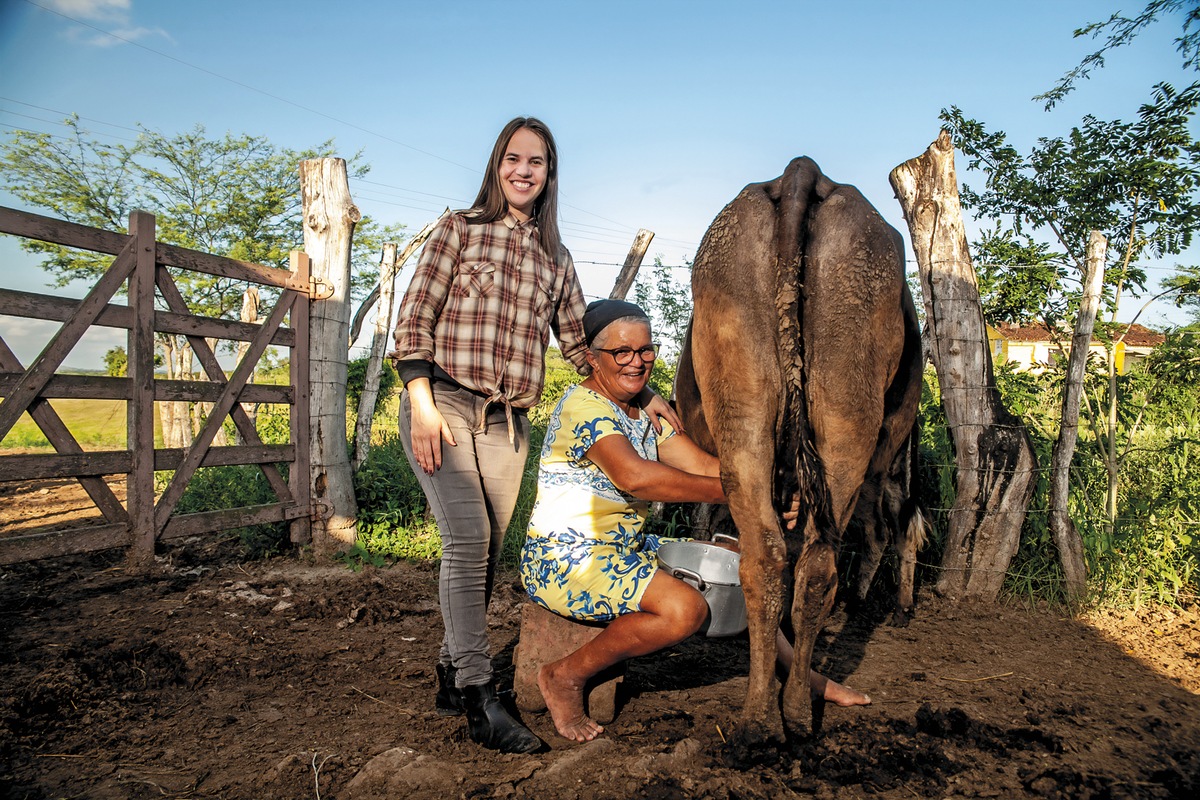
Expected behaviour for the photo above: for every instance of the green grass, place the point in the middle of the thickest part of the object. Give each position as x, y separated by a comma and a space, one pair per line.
95, 424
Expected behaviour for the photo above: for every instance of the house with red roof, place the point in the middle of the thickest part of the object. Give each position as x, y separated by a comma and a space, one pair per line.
1036, 347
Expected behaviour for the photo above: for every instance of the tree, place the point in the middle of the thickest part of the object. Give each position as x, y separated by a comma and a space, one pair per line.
994, 455
668, 302
236, 196
1134, 182
1020, 279
115, 362
1123, 30
1185, 283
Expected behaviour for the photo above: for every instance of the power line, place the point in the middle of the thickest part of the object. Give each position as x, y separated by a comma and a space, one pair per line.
455, 200
292, 103
249, 87
17, 129
68, 114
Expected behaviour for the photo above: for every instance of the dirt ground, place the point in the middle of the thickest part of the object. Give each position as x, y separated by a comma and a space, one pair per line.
211, 678
288, 679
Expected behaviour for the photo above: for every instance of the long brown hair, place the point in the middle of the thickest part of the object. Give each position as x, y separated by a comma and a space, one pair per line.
490, 205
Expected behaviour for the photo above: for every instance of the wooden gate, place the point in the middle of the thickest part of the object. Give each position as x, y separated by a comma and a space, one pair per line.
141, 262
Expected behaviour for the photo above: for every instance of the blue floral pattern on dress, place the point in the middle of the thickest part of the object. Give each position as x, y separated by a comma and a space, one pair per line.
585, 555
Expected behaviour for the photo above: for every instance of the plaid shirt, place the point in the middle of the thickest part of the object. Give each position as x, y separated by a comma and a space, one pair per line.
481, 305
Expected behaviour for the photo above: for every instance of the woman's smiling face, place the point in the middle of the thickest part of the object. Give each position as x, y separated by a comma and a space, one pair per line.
523, 172
621, 383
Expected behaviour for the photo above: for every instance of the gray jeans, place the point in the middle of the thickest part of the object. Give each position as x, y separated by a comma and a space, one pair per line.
472, 497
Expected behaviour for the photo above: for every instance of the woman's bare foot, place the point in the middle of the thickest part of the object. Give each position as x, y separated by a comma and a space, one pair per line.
834, 692
565, 701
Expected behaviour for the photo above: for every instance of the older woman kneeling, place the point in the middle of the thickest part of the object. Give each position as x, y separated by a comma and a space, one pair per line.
585, 556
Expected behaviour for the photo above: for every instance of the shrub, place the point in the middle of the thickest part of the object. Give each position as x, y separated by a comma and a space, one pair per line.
392, 512
216, 488
356, 376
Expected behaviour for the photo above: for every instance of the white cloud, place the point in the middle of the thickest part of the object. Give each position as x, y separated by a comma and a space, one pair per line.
124, 35
115, 15
92, 9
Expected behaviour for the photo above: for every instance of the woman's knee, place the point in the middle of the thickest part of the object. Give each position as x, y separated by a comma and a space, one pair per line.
687, 610
697, 612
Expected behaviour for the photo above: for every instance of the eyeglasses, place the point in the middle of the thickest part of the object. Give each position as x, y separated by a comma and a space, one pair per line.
624, 355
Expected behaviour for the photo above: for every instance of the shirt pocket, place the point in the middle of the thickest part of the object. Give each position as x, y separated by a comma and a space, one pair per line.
545, 299
475, 279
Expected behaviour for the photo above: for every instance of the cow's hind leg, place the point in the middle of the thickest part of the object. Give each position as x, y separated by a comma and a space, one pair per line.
816, 587
763, 561
872, 528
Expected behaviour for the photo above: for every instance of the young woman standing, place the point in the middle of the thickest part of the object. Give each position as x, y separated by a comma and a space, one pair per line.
491, 284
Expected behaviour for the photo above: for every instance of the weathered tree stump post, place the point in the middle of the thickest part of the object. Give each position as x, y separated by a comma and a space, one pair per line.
329, 220
383, 321
1066, 537
633, 261
993, 451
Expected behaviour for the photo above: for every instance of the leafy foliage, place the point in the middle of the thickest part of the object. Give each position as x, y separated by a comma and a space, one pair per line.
1135, 182
669, 304
1121, 31
1151, 554
392, 518
356, 375
116, 361
560, 376
216, 488
1018, 277
1186, 285
236, 196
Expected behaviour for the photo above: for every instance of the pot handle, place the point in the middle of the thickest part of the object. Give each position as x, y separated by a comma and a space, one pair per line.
725, 536
687, 576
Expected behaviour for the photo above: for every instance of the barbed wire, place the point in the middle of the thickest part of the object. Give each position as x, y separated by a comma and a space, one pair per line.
622, 230
974, 512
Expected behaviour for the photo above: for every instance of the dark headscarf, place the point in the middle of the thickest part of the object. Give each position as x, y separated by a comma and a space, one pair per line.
602, 313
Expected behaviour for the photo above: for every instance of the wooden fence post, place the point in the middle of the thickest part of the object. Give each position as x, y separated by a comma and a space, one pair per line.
329, 220
249, 313
139, 483
993, 452
300, 419
637, 252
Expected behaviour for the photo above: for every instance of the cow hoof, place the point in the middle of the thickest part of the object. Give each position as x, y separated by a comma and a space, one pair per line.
800, 709
752, 744
901, 617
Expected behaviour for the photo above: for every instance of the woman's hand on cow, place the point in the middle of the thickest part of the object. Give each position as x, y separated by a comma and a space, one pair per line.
658, 410
429, 428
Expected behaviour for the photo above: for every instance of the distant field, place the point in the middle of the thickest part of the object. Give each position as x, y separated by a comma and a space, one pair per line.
95, 424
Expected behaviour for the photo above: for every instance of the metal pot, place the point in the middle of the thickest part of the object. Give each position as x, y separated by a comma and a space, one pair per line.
714, 572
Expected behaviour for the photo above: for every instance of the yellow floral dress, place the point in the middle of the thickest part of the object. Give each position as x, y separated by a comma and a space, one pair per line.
585, 556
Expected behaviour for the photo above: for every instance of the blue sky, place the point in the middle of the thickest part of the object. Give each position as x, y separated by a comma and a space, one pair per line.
662, 110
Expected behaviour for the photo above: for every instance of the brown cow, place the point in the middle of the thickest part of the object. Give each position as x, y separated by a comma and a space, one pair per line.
801, 371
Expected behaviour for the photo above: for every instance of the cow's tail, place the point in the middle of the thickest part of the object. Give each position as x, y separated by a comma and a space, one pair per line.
799, 466
917, 528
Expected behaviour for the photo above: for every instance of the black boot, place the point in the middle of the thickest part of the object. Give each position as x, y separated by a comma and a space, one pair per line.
449, 700
490, 724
